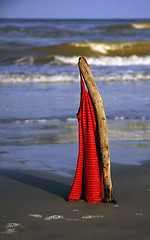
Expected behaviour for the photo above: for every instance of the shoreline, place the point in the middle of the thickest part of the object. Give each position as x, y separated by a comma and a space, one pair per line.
33, 206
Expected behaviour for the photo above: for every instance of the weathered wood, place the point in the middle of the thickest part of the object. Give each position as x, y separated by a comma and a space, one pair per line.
101, 128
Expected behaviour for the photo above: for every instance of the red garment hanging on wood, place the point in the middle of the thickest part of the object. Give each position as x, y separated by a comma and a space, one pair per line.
88, 182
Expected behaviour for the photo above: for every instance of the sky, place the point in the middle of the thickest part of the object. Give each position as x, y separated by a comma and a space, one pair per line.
75, 9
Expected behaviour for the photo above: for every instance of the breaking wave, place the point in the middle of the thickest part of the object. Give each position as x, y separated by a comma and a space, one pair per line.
129, 52
36, 78
95, 49
140, 25
132, 25
67, 120
97, 61
65, 78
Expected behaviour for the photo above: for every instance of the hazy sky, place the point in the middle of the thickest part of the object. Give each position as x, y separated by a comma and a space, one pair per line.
74, 8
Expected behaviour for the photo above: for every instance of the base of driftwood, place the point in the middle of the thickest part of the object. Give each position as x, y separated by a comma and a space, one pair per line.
112, 201
108, 193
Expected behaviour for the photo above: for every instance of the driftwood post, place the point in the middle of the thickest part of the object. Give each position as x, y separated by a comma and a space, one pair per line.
101, 127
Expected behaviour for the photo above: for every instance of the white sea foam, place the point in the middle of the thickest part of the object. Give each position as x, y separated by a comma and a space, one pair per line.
140, 25
35, 215
119, 118
139, 214
91, 217
38, 120
107, 60
12, 227
97, 61
36, 78
75, 210
10, 230
72, 119
72, 219
54, 217
116, 206
45, 79
25, 59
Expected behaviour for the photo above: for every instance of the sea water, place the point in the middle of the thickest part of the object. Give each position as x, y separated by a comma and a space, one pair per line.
40, 89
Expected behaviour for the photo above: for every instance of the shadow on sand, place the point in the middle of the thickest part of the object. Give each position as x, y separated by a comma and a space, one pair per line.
51, 186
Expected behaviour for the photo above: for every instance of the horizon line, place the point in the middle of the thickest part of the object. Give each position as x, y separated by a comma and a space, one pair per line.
41, 18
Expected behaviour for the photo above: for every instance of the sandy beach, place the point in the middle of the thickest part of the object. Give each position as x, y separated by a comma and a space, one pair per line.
40, 96
33, 207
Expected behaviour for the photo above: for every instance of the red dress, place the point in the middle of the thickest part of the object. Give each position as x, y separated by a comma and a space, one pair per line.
88, 181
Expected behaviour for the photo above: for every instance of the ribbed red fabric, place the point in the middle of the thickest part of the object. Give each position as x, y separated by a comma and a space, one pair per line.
88, 181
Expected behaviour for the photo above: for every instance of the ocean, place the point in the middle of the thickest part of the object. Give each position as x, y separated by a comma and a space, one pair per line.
40, 89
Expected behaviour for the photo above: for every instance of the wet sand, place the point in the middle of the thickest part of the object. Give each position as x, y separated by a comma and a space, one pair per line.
32, 207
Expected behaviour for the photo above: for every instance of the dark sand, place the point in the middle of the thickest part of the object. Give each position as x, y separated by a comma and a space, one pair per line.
32, 207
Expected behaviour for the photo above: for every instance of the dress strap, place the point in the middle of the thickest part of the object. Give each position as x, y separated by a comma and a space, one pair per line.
82, 82
81, 78
83, 91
